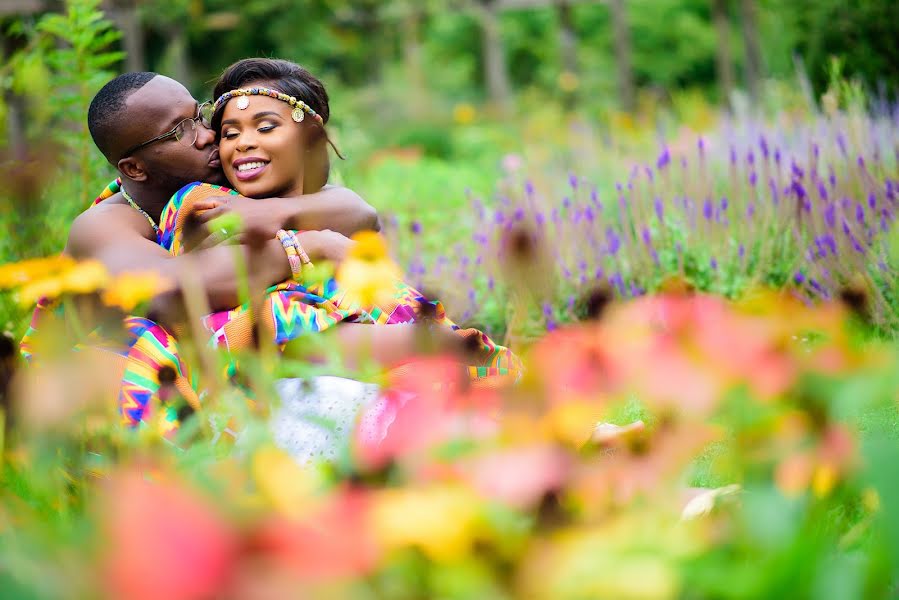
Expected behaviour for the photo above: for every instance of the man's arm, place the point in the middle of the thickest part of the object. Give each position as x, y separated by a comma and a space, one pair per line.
335, 208
112, 235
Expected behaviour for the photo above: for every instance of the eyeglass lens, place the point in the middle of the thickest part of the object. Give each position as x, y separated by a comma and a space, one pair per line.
186, 132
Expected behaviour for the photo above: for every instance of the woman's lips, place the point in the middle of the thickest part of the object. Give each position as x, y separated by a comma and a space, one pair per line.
250, 173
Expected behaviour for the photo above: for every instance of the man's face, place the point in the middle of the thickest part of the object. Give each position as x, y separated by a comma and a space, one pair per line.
155, 109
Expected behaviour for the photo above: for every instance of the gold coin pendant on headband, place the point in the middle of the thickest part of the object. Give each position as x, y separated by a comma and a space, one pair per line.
243, 102
298, 115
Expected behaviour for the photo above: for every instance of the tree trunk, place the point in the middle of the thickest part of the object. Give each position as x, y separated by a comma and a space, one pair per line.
753, 49
568, 47
495, 73
626, 93
724, 61
125, 15
15, 105
179, 56
412, 59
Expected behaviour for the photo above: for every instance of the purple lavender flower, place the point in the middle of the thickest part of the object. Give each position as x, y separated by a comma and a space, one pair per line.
664, 158
777, 156
589, 214
714, 263
519, 214
796, 170
733, 155
700, 144
647, 239
822, 190
566, 273
742, 250
872, 201
529, 187
572, 181
648, 171
539, 218
830, 215
660, 209
753, 178
750, 158
707, 209
499, 217
798, 277
571, 302
832, 178
861, 162
860, 214
490, 283
763, 145
566, 202
750, 210
594, 198
614, 242
841, 143
415, 227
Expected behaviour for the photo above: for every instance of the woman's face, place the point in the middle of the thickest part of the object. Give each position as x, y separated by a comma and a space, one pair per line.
262, 148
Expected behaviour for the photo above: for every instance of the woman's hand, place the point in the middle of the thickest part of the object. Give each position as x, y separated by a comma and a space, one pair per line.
325, 245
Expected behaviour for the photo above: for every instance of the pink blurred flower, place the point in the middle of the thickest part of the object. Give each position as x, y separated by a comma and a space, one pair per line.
163, 541
518, 477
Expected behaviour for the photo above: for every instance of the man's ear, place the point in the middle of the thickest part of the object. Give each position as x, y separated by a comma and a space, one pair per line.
132, 168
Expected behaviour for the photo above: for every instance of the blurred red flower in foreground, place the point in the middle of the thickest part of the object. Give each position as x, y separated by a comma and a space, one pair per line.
332, 541
424, 404
163, 541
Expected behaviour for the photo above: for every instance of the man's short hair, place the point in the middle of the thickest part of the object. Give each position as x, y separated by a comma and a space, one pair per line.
106, 112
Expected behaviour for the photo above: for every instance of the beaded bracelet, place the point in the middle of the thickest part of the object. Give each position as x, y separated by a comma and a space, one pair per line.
289, 243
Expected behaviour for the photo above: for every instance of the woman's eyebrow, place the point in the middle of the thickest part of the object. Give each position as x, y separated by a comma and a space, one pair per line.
256, 117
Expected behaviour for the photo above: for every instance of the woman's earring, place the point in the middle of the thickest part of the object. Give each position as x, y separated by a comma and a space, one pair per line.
298, 115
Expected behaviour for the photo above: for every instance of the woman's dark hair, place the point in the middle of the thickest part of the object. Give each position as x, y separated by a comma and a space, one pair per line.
281, 75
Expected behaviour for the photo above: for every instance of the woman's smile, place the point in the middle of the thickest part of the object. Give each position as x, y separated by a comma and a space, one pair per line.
246, 169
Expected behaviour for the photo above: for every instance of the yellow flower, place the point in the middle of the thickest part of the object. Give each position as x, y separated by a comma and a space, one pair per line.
368, 274
824, 480
53, 276
439, 520
287, 487
130, 289
85, 277
19, 273
464, 113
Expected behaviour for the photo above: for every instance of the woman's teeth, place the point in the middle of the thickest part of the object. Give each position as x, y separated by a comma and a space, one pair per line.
250, 166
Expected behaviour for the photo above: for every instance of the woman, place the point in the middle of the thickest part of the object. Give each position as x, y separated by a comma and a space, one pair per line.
270, 117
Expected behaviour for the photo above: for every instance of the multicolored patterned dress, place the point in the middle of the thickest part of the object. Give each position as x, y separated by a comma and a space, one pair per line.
291, 309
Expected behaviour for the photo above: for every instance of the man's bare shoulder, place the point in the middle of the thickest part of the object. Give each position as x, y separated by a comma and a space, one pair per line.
106, 221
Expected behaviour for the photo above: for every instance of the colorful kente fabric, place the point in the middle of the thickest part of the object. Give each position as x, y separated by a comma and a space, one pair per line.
145, 349
292, 309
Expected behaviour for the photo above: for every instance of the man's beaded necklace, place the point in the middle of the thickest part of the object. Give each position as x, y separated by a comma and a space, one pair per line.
131, 201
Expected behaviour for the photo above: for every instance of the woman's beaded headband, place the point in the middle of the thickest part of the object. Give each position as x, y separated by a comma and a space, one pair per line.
300, 108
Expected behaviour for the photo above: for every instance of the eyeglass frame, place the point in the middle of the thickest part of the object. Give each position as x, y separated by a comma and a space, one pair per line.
200, 119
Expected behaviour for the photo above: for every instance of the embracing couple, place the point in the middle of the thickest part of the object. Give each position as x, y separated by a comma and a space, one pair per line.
263, 136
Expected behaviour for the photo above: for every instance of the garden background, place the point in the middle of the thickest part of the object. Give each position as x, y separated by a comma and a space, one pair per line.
532, 161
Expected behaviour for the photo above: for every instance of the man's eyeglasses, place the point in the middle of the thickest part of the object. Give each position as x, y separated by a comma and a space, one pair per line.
185, 132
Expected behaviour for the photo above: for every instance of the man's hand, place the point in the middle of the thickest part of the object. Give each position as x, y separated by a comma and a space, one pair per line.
260, 219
